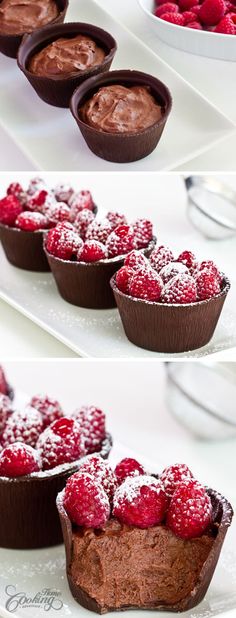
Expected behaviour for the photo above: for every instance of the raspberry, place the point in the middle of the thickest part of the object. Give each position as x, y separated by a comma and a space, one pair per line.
79, 201
160, 256
147, 286
172, 476
59, 212
3, 382
23, 426
10, 208
82, 222
195, 9
123, 277
92, 251
5, 411
99, 230
101, 473
31, 221
140, 501
195, 25
92, 423
36, 184
186, 5
86, 502
49, 409
181, 289
63, 192
190, 510
62, 442
225, 25
188, 259
173, 18
116, 219
37, 200
121, 241
19, 459
136, 261
15, 189
143, 232
207, 284
209, 265
189, 17
166, 7
126, 468
63, 241
171, 270
211, 12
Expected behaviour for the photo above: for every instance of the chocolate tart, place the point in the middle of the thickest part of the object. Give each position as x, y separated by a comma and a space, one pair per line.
9, 43
122, 147
28, 513
57, 90
24, 249
87, 284
161, 327
123, 567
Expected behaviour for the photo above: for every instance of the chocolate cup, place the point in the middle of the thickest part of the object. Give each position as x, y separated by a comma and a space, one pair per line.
28, 513
10, 43
58, 90
222, 514
87, 284
169, 328
122, 147
24, 249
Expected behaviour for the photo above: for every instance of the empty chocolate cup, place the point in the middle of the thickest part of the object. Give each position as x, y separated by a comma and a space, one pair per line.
169, 328
122, 147
222, 517
57, 90
9, 43
28, 513
24, 249
87, 284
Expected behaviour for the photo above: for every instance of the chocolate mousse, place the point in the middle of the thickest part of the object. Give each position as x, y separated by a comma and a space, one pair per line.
67, 55
119, 109
21, 16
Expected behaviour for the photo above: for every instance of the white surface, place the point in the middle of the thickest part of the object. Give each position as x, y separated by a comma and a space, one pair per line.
163, 199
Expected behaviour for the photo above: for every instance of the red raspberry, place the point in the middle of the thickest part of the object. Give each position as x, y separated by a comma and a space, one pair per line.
15, 189
63, 241
209, 265
195, 9
143, 232
101, 473
19, 459
126, 468
92, 251
82, 222
38, 199
225, 26
186, 5
31, 221
59, 212
116, 219
211, 12
86, 502
195, 25
189, 17
99, 230
160, 256
137, 261
79, 201
123, 277
171, 270
181, 289
188, 259
3, 382
173, 18
147, 286
63, 192
49, 409
190, 510
166, 7
140, 501
92, 422
62, 442
207, 284
121, 241
5, 411
10, 208
36, 184
23, 426
172, 476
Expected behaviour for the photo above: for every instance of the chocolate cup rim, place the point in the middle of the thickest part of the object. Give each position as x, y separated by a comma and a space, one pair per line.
177, 306
62, 469
64, 27
20, 35
119, 75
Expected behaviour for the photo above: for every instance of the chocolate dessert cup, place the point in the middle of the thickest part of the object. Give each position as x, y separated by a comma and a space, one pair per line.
28, 513
161, 327
122, 147
57, 90
24, 249
10, 43
87, 284
202, 552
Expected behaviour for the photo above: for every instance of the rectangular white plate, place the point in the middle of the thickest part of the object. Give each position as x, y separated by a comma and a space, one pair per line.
51, 139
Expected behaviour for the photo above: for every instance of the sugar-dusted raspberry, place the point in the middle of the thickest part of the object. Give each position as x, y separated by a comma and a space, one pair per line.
25, 426
92, 251
17, 190
37, 200
182, 289
121, 241
146, 285
101, 473
128, 467
92, 422
226, 25
171, 270
207, 284
31, 221
188, 259
36, 184
166, 7
6, 410
209, 265
116, 219
190, 510
172, 476
137, 261
86, 502
160, 256
195, 25
63, 241
211, 12
58, 213
186, 5
173, 18
143, 232
99, 230
3, 382
140, 501
79, 201
10, 208
123, 277
19, 459
62, 442
50, 409
82, 222
63, 192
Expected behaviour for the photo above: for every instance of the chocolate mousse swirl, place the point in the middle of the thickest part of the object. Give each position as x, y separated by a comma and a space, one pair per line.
67, 55
116, 109
21, 16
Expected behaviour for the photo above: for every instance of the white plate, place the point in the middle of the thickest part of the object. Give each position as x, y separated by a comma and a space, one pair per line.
51, 139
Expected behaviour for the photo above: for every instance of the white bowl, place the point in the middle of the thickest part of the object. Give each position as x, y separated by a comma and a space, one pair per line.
201, 42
